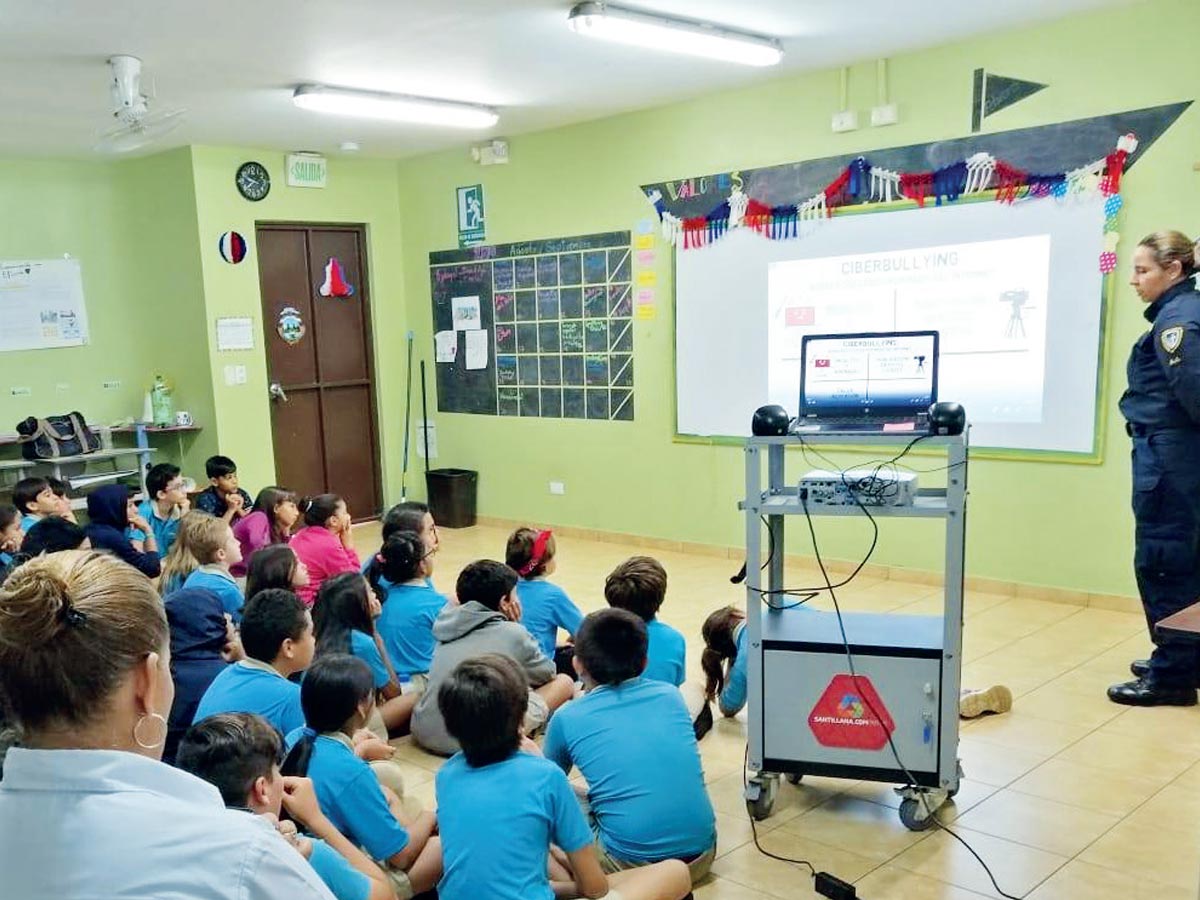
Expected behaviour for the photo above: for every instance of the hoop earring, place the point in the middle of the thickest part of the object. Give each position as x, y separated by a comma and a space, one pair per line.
137, 737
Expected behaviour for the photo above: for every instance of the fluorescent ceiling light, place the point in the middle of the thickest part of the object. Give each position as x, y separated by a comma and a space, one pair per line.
628, 26
394, 107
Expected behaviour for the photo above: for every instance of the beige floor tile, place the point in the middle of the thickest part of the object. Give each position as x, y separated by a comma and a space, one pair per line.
1079, 880
1104, 790
1148, 852
1090, 708
733, 832
1173, 726
1017, 868
1037, 822
792, 800
891, 883
1129, 753
872, 830
717, 888
787, 880
996, 764
1026, 732
1175, 809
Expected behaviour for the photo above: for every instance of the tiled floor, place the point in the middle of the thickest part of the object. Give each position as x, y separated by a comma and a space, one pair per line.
1068, 797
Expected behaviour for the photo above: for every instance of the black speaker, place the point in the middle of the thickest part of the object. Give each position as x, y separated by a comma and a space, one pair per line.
770, 421
947, 418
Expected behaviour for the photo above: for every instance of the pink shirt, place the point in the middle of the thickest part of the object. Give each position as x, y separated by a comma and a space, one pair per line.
323, 555
253, 532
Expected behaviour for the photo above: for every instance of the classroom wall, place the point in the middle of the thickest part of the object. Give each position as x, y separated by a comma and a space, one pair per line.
1040, 523
359, 191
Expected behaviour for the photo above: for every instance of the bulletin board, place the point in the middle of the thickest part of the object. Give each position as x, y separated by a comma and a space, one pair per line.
540, 329
41, 305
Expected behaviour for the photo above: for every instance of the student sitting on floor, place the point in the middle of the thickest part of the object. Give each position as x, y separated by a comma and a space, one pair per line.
545, 607
34, 500
632, 739
110, 514
488, 620
239, 755
11, 535
223, 498
53, 534
324, 544
344, 618
62, 498
640, 585
400, 576
166, 504
407, 516
211, 543
338, 694
277, 637
275, 566
501, 806
269, 522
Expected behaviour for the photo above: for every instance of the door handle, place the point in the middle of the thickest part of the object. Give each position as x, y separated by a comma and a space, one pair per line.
276, 391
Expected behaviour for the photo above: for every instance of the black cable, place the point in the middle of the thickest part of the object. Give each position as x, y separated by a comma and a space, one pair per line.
912, 782
754, 825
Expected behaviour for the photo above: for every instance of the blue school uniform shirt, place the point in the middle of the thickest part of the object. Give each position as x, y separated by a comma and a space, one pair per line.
666, 654
635, 745
363, 646
406, 625
220, 582
497, 823
343, 880
350, 795
251, 686
545, 608
164, 529
733, 695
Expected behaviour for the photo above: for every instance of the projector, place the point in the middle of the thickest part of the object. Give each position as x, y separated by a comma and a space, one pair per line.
867, 487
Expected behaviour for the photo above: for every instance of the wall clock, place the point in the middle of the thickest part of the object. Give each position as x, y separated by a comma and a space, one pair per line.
252, 181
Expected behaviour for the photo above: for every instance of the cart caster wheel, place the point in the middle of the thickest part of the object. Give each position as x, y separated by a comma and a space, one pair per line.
795, 778
950, 794
760, 797
913, 817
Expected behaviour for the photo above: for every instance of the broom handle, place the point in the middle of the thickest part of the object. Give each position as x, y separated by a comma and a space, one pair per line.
424, 418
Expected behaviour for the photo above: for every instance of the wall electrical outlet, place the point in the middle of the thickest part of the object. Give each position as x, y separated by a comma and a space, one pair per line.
557, 487
846, 120
112, 385
20, 391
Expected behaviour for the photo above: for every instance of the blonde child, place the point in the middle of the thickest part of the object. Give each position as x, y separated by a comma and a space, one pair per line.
213, 546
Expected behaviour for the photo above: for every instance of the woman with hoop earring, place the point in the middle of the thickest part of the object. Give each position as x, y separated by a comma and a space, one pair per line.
87, 808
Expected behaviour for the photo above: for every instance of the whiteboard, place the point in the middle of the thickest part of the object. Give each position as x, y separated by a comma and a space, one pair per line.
1028, 375
41, 305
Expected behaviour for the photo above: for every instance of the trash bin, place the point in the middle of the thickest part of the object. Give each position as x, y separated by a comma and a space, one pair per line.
452, 496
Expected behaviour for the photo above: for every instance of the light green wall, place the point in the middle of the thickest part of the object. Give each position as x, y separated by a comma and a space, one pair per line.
1041, 523
358, 191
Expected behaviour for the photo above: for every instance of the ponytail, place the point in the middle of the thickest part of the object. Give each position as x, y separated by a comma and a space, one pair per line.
720, 648
319, 509
398, 560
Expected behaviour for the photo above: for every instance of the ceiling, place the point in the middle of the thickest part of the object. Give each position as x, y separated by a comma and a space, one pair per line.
233, 64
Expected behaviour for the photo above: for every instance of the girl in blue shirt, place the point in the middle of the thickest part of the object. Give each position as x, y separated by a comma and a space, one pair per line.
725, 660
344, 618
400, 577
11, 534
545, 607
338, 695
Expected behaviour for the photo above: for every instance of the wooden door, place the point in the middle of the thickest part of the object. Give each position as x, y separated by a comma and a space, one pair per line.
319, 363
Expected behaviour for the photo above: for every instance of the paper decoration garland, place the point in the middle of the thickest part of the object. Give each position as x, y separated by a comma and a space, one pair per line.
862, 182
232, 246
335, 281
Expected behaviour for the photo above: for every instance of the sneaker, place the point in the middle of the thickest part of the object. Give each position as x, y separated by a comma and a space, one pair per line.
996, 699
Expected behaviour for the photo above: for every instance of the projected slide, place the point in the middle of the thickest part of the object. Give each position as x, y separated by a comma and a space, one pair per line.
988, 300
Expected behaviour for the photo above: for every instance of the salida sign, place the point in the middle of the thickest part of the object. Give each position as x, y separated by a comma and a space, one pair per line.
850, 713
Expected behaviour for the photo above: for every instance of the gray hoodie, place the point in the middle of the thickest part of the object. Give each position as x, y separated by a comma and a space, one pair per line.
464, 632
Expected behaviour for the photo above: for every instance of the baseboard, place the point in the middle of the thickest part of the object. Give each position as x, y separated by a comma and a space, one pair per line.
1112, 602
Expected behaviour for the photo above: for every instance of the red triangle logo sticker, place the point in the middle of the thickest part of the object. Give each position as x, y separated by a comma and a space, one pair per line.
850, 713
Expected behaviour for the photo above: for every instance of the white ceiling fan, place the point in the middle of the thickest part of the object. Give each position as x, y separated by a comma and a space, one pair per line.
136, 125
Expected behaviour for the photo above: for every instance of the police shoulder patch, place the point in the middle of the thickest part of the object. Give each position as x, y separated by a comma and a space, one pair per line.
1171, 338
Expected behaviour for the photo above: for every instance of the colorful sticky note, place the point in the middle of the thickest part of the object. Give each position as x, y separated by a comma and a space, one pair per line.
648, 311
645, 226
643, 242
647, 278
645, 296
645, 258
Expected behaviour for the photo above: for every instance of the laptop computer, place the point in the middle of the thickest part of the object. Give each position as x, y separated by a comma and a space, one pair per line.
872, 381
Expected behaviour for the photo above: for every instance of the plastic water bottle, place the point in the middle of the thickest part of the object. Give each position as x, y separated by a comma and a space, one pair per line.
160, 402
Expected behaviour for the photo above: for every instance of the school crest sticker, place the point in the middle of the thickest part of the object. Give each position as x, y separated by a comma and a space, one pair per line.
290, 326
1171, 338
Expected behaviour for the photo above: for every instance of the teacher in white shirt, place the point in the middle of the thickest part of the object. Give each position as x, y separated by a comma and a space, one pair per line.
86, 807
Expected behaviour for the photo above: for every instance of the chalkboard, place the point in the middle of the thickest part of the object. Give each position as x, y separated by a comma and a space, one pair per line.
558, 314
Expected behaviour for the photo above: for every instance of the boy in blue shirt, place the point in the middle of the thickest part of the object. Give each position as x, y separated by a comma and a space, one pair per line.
239, 755
223, 498
639, 585
277, 637
545, 607
165, 504
34, 499
213, 545
632, 740
501, 806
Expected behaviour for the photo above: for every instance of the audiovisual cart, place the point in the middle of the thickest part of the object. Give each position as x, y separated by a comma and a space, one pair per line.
809, 714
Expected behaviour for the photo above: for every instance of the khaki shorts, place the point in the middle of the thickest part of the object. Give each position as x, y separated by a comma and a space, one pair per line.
697, 868
416, 684
400, 883
537, 714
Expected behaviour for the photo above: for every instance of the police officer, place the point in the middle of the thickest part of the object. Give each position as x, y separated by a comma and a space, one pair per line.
1162, 412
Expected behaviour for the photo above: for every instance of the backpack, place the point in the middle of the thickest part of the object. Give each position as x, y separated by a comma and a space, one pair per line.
56, 436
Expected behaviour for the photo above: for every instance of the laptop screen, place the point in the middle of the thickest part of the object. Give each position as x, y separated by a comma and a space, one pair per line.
883, 374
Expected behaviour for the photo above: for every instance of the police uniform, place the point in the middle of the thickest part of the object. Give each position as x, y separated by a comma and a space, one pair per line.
1162, 411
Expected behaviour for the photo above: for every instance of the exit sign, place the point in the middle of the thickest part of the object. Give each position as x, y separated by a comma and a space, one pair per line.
306, 170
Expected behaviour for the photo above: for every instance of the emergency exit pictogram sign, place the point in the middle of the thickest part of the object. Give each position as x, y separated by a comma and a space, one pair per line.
850, 713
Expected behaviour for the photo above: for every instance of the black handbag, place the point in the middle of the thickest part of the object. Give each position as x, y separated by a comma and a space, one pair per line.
56, 436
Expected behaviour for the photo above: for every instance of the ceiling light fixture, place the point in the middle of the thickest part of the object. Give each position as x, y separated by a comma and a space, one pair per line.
628, 26
394, 107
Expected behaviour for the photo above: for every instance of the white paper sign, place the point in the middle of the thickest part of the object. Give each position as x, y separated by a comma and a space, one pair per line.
235, 333
477, 349
445, 345
465, 311
41, 305
427, 429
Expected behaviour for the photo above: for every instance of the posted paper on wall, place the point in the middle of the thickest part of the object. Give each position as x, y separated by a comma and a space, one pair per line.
477, 350
427, 439
235, 333
445, 345
465, 312
41, 305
